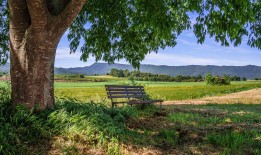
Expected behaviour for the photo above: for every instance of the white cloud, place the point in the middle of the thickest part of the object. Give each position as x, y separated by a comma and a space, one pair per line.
178, 60
185, 42
64, 52
66, 60
173, 59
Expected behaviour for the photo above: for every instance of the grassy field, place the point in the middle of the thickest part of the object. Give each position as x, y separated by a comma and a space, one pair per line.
200, 129
86, 91
77, 128
160, 90
74, 127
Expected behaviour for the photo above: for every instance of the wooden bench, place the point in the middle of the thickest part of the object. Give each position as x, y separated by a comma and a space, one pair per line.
128, 94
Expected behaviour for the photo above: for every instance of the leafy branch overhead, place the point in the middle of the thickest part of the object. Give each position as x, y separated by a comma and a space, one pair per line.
4, 31
111, 30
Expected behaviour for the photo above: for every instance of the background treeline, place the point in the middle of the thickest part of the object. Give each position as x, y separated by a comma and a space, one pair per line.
141, 76
3, 74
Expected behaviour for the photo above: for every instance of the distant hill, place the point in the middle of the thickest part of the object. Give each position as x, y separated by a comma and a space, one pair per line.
96, 68
250, 71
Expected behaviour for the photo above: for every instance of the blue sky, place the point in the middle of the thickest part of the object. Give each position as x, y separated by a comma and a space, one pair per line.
186, 52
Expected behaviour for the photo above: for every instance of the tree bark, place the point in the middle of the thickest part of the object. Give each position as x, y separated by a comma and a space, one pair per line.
32, 70
34, 36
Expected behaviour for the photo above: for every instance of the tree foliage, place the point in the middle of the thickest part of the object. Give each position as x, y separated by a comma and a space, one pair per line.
143, 76
4, 32
127, 28
111, 30
217, 80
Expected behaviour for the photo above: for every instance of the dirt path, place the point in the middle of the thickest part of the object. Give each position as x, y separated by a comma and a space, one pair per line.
246, 97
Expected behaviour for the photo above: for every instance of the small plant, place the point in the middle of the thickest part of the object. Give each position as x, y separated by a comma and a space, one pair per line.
113, 147
168, 137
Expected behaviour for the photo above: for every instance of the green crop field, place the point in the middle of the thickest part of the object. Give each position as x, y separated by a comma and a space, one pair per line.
161, 90
86, 91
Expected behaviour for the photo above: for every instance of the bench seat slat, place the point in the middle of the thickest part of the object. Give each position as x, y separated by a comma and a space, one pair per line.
121, 86
134, 92
143, 101
126, 96
117, 89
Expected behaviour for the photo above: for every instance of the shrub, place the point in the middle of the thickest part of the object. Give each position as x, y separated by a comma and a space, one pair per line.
243, 79
217, 80
81, 76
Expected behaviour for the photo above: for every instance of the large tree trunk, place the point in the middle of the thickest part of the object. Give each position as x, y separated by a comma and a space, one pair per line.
32, 69
34, 35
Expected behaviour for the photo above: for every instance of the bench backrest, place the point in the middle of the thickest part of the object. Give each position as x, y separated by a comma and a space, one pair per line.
123, 91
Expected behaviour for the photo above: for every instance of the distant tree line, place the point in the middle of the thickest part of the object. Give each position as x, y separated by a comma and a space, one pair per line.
141, 76
3, 73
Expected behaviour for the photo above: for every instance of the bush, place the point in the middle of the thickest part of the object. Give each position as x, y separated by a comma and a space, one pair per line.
81, 76
243, 79
217, 80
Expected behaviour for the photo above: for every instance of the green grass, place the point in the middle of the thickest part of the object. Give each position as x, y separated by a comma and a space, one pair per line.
219, 129
77, 78
3, 84
89, 91
157, 90
74, 127
66, 127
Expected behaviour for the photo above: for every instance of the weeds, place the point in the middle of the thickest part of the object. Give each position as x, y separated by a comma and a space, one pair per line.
235, 142
167, 138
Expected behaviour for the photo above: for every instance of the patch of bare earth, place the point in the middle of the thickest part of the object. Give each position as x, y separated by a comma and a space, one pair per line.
245, 97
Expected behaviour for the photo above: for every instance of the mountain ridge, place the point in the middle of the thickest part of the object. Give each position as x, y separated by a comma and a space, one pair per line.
249, 71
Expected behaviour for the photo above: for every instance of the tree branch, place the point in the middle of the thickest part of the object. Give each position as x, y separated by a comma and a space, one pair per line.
65, 19
38, 12
19, 18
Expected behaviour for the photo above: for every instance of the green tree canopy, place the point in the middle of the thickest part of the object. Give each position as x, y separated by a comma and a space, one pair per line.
130, 29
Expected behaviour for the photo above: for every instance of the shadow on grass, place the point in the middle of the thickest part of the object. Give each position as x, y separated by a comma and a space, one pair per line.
73, 127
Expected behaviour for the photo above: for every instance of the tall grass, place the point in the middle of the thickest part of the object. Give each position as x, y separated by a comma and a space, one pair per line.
24, 131
75, 127
235, 142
